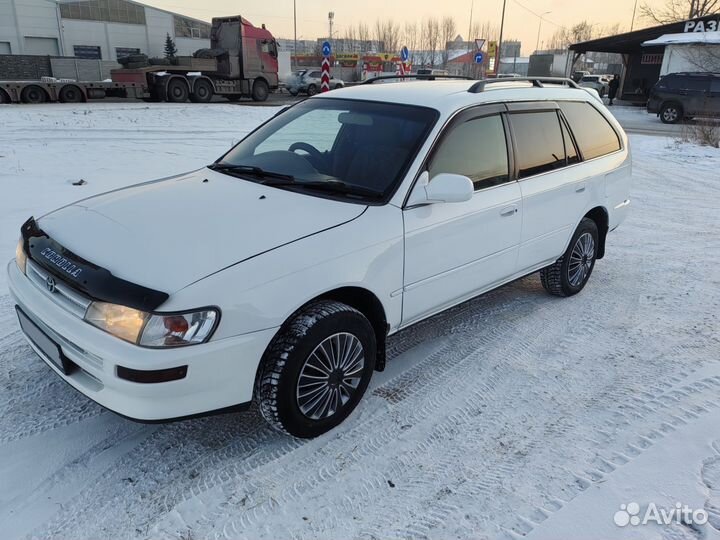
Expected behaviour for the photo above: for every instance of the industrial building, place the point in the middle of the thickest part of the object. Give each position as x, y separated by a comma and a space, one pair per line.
95, 29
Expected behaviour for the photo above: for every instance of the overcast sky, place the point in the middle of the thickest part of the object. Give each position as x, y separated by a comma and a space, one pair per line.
520, 22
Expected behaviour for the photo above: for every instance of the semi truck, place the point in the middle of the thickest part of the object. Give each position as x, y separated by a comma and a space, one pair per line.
242, 62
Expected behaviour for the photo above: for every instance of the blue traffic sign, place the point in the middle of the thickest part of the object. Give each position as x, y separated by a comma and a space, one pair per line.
404, 54
326, 50
479, 57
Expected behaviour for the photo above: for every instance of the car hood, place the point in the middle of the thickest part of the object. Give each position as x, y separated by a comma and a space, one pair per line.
169, 233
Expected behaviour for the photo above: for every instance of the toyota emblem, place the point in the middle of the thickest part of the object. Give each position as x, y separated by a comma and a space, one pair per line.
50, 284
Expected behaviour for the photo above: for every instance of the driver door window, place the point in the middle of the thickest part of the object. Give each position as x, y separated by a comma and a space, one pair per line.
319, 128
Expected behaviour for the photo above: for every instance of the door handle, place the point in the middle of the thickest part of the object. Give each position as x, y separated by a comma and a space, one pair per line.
509, 210
580, 188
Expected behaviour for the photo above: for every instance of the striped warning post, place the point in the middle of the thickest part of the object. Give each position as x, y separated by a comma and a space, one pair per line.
325, 77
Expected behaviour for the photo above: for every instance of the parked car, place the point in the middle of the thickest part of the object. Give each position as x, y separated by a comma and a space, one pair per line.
430, 71
309, 81
578, 75
276, 273
599, 82
680, 96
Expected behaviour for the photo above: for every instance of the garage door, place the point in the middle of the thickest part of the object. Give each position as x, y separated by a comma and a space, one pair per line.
5, 47
41, 45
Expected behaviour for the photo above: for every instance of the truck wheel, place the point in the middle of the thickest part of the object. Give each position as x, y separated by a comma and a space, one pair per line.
202, 92
33, 95
177, 91
569, 274
70, 94
312, 90
4, 98
671, 113
260, 90
316, 369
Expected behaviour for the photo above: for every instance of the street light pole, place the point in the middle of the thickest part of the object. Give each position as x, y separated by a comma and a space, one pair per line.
295, 31
537, 45
632, 23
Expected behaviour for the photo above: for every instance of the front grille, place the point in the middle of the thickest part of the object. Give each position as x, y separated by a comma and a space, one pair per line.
63, 295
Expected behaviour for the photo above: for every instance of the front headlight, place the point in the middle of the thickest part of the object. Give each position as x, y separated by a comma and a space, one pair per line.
20, 255
153, 329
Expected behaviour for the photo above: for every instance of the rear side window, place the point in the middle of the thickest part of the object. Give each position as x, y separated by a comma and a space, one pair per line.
694, 84
476, 149
594, 135
540, 145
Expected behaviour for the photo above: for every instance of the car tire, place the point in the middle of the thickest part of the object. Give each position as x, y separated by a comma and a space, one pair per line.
671, 113
202, 92
312, 90
70, 94
294, 92
569, 274
33, 95
177, 91
300, 359
260, 90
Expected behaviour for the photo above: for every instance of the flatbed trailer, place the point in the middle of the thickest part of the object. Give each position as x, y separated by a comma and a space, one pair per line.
245, 66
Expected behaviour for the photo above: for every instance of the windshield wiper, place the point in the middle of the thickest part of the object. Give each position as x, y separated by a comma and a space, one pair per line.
333, 186
250, 170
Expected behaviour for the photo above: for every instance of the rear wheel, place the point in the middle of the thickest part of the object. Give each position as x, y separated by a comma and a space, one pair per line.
70, 94
202, 92
177, 91
671, 113
4, 98
293, 91
569, 274
33, 95
312, 90
316, 369
260, 90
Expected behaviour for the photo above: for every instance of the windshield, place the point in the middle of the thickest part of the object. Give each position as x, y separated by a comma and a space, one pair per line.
364, 147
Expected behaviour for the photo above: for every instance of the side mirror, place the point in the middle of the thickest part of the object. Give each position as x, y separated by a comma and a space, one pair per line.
443, 188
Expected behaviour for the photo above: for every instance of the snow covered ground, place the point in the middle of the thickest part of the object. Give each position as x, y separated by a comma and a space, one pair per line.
513, 415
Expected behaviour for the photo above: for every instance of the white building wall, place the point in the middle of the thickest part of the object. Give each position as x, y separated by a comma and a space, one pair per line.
688, 57
39, 19
29, 18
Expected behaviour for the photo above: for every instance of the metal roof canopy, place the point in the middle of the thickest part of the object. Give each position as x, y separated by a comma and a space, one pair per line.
631, 42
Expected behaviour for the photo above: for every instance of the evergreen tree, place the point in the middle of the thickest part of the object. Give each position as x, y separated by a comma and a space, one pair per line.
170, 48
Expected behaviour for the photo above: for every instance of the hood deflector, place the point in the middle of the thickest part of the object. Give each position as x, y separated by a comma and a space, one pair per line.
96, 282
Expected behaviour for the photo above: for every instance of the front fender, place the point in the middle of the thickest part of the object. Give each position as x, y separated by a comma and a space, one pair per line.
262, 292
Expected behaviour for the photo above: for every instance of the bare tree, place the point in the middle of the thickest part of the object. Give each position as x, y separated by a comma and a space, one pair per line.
448, 29
679, 10
410, 39
363, 35
431, 38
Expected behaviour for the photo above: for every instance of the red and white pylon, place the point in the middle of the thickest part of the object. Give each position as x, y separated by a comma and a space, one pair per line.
325, 76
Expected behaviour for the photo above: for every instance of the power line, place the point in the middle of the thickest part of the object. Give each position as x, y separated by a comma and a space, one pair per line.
538, 15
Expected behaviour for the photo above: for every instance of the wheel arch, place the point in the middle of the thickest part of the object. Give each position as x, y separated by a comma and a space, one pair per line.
600, 216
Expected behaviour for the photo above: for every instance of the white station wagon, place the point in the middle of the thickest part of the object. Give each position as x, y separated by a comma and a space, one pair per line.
277, 273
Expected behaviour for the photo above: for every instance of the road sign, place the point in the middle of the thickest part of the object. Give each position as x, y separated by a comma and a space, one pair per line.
326, 49
479, 43
404, 54
479, 57
492, 48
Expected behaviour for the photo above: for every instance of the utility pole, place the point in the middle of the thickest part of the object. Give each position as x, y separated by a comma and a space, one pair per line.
294, 31
632, 23
331, 18
499, 50
469, 36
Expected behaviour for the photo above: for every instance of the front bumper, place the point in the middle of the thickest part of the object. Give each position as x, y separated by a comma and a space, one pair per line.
220, 373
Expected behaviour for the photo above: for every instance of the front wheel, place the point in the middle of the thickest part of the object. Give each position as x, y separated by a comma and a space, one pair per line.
569, 274
260, 90
671, 113
316, 369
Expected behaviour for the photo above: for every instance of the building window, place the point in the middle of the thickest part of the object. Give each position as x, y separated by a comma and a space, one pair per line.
90, 52
190, 28
655, 58
122, 52
119, 11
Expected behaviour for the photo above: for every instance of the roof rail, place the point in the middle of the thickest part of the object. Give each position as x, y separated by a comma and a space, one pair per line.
427, 77
536, 82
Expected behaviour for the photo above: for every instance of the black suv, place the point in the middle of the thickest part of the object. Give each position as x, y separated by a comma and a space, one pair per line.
683, 95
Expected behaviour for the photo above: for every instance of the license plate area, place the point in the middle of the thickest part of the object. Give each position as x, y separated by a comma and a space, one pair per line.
42, 341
